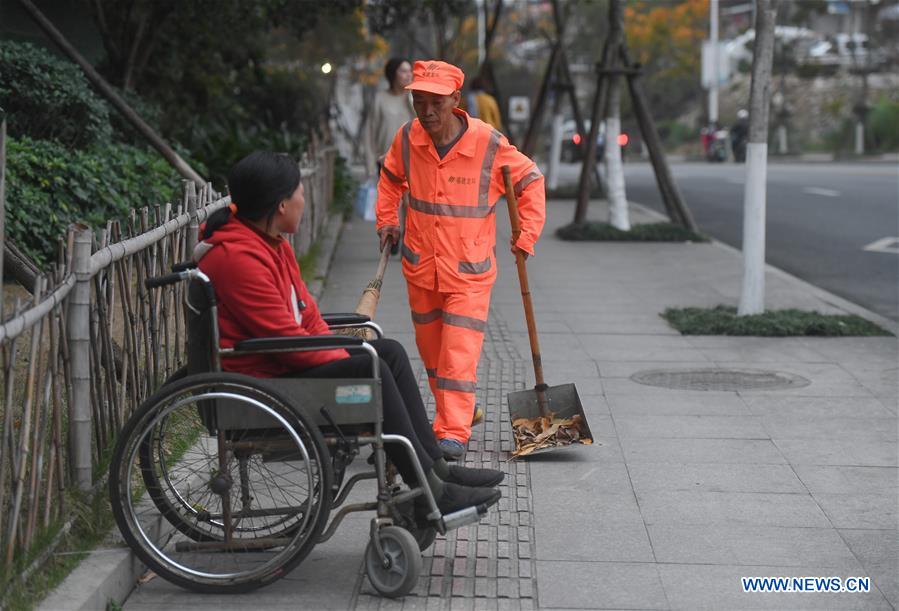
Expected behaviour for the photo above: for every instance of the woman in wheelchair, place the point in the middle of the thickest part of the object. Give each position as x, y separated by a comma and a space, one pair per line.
261, 293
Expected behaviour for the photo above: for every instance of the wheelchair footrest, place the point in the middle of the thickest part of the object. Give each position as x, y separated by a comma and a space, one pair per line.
469, 515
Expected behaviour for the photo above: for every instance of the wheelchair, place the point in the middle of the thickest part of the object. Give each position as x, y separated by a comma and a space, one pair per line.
223, 483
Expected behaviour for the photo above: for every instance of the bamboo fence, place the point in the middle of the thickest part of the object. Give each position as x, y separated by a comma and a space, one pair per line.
91, 344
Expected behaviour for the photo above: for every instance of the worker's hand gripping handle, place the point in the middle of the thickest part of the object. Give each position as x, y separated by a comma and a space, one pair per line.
523, 280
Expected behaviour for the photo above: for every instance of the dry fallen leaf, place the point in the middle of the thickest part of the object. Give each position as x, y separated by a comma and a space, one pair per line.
533, 434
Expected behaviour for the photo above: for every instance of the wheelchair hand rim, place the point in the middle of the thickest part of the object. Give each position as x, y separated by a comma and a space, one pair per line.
154, 421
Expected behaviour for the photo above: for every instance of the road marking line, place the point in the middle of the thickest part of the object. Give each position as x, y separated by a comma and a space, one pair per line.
820, 191
884, 245
735, 181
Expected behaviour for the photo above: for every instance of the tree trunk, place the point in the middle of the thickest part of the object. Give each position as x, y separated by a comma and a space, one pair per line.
2, 203
109, 93
618, 215
618, 212
609, 60
752, 296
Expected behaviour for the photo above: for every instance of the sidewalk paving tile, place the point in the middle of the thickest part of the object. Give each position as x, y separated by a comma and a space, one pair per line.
676, 403
576, 527
856, 430
808, 408
736, 544
720, 451
871, 510
746, 508
849, 480
600, 585
832, 450
708, 477
691, 427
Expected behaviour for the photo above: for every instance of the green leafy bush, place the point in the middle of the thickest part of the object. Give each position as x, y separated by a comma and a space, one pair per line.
50, 186
723, 320
647, 232
48, 98
345, 187
883, 125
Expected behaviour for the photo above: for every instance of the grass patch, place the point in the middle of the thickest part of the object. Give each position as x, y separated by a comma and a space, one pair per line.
308, 261
646, 232
92, 522
723, 320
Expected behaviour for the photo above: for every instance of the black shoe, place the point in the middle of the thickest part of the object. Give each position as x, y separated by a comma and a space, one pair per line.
456, 497
476, 478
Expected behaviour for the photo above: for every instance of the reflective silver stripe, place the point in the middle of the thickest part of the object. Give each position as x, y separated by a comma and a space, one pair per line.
432, 373
474, 267
522, 184
409, 256
472, 212
423, 318
406, 129
393, 177
468, 322
487, 169
460, 385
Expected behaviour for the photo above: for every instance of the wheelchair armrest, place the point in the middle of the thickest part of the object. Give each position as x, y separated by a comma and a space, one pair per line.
298, 342
345, 319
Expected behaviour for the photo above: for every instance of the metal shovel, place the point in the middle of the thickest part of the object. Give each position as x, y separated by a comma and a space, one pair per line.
547, 417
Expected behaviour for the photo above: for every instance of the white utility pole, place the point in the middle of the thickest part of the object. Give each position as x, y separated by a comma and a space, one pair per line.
713, 39
752, 296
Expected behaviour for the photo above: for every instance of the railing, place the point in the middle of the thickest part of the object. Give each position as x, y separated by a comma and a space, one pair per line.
82, 353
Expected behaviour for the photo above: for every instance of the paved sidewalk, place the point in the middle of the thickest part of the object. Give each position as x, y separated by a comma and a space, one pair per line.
684, 492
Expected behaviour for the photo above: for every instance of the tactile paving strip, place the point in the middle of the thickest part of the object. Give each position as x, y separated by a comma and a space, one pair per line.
489, 565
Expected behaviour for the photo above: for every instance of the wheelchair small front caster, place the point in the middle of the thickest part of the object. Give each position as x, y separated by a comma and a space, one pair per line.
396, 573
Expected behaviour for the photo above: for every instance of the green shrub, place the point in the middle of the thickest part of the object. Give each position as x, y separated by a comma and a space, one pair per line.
883, 125
674, 133
723, 320
48, 98
345, 187
648, 232
50, 186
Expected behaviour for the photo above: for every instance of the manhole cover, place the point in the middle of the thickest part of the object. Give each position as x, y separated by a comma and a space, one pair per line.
720, 379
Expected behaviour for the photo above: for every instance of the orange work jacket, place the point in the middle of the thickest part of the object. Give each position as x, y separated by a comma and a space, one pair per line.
450, 235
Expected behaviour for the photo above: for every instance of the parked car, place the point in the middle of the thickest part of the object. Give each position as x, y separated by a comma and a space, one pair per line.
571, 141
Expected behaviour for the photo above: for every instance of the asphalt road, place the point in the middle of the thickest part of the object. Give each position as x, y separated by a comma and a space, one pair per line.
821, 217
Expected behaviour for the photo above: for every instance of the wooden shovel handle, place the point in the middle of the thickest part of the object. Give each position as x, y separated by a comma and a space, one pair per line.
523, 280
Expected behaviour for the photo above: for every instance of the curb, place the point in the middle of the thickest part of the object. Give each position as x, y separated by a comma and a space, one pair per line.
823, 295
330, 239
110, 575
106, 575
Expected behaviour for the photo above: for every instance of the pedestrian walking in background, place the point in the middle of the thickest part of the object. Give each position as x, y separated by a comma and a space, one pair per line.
391, 109
481, 104
450, 163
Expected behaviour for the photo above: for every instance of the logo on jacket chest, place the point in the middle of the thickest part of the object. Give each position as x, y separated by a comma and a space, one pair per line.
461, 180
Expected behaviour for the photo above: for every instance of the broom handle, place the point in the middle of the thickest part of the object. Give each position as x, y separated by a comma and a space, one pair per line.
382, 263
525, 288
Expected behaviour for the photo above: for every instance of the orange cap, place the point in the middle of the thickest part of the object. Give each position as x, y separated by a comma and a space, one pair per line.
435, 76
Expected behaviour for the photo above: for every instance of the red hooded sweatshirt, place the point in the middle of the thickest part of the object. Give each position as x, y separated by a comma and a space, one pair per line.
260, 294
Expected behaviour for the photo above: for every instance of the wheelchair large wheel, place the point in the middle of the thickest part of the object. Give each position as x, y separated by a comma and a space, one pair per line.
396, 573
213, 506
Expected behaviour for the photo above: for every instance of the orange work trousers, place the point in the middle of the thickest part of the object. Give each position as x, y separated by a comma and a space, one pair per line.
449, 332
